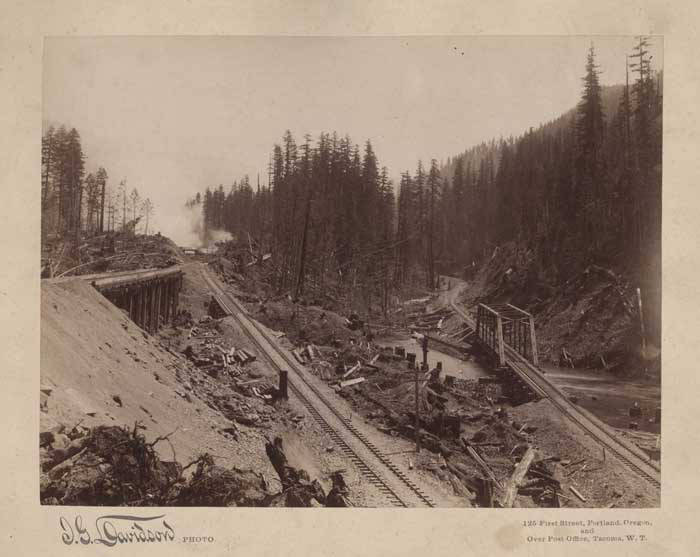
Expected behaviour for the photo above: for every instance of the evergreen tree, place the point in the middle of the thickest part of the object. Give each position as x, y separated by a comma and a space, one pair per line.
589, 163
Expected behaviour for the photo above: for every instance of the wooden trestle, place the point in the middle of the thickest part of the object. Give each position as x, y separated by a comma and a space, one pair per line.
151, 298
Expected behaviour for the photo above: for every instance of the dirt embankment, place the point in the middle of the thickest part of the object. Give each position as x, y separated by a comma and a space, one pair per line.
185, 435
472, 433
473, 436
196, 419
593, 315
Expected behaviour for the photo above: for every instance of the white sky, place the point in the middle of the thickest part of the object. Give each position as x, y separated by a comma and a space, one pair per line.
174, 115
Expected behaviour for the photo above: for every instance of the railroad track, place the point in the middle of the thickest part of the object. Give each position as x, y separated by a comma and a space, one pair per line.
632, 457
368, 458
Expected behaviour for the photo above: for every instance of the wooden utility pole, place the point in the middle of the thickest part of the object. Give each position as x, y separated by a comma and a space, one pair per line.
423, 367
282, 391
416, 425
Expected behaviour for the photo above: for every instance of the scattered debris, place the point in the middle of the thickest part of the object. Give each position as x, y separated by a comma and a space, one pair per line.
577, 493
352, 382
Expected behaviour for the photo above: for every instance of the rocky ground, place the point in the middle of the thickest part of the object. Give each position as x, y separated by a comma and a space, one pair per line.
457, 416
195, 413
593, 316
100, 370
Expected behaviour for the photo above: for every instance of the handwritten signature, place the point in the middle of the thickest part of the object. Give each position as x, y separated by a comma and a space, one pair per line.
114, 529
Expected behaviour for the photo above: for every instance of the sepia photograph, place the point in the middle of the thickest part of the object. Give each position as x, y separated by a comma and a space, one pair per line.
386, 271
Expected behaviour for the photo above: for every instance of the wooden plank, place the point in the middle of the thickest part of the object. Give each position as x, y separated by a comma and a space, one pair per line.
481, 462
351, 382
298, 357
248, 354
352, 370
250, 382
465, 336
577, 493
516, 479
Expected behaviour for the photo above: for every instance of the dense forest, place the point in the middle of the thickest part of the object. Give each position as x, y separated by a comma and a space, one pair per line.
327, 214
582, 190
75, 204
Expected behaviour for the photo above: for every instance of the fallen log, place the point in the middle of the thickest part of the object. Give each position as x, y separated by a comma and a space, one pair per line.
549, 478
458, 487
297, 488
462, 330
571, 471
481, 462
298, 357
287, 474
516, 479
250, 382
351, 382
352, 370
469, 481
251, 357
577, 493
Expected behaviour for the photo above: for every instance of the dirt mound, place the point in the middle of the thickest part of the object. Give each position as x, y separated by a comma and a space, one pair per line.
215, 486
116, 466
109, 252
304, 323
590, 314
101, 374
100, 369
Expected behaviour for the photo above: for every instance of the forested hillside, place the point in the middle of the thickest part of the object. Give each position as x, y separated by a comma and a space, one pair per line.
74, 203
327, 216
78, 204
581, 192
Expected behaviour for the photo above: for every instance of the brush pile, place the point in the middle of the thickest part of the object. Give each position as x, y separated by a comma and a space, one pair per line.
116, 466
110, 252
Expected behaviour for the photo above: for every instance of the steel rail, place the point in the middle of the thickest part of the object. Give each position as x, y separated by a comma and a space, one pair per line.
633, 459
271, 351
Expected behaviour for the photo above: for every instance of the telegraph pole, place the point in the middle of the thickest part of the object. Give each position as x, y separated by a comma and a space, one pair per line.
423, 367
417, 410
